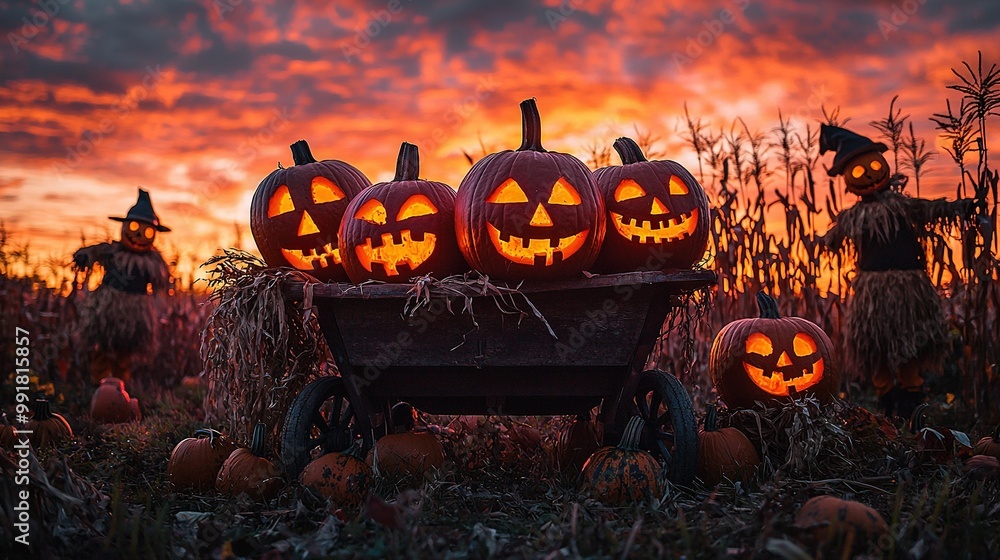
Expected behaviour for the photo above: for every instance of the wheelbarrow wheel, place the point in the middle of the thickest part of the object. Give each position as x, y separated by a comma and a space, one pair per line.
671, 433
321, 420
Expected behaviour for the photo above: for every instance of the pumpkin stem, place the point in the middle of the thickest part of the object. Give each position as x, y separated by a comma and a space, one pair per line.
301, 153
210, 433
531, 127
629, 151
408, 163
42, 410
633, 431
711, 418
918, 420
257, 440
768, 306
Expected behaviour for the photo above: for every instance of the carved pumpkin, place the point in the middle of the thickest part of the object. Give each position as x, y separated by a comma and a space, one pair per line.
47, 428
343, 477
111, 403
622, 474
8, 434
401, 229
296, 211
138, 235
248, 471
657, 214
840, 524
724, 454
771, 357
529, 213
577, 442
989, 445
195, 462
866, 174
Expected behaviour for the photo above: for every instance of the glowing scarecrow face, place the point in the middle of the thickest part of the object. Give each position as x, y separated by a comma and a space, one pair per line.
866, 174
138, 235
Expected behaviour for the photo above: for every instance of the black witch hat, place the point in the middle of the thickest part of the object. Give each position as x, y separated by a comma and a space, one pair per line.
142, 212
847, 144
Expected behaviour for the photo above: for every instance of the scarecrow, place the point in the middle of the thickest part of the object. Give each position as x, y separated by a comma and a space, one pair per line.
895, 325
116, 320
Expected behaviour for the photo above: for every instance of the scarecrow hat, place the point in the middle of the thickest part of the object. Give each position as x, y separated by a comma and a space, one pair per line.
847, 144
142, 212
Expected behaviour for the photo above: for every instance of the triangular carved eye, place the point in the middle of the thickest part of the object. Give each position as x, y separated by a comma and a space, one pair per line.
563, 193
280, 203
324, 190
416, 205
760, 344
627, 190
509, 192
678, 187
372, 212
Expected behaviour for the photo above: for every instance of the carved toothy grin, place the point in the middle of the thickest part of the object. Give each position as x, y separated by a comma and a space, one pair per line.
673, 229
530, 251
776, 382
312, 259
391, 255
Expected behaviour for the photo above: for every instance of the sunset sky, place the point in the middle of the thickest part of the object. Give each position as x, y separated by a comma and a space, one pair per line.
197, 101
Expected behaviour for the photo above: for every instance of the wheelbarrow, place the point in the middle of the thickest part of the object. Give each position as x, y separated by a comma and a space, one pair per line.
590, 350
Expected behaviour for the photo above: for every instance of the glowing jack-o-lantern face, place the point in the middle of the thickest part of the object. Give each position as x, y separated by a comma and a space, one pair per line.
658, 213
866, 174
296, 211
779, 371
400, 229
771, 357
529, 213
138, 235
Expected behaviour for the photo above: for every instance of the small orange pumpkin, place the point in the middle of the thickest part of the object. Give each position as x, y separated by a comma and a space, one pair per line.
8, 433
982, 467
844, 524
406, 453
617, 475
343, 477
195, 462
989, 445
577, 442
725, 453
248, 471
111, 403
47, 429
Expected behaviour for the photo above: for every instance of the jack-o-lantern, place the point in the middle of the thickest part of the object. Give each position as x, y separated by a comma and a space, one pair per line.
772, 357
400, 229
857, 158
529, 213
867, 174
295, 213
657, 213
